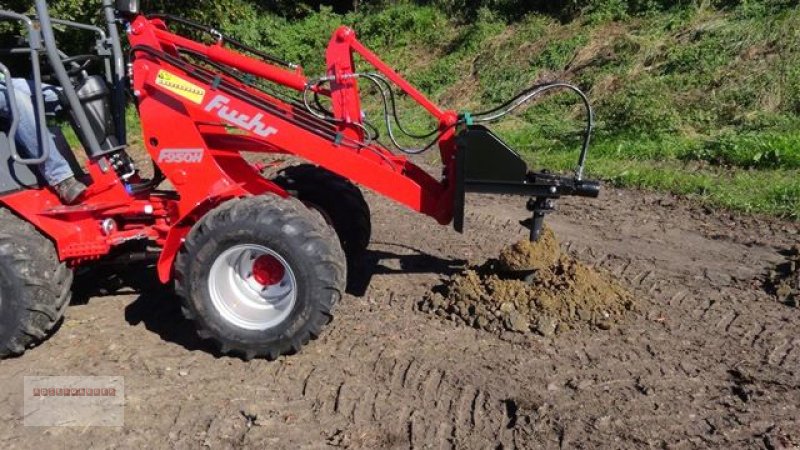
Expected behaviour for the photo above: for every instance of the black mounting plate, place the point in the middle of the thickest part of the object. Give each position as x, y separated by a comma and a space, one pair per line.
486, 164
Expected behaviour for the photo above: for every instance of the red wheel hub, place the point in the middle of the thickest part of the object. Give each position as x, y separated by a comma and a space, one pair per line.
267, 270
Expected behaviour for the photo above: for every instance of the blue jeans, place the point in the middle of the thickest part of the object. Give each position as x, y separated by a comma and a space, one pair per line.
55, 168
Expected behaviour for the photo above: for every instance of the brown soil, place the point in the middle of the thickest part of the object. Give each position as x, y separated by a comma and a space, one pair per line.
527, 255
784, 280
532, 287
712, 360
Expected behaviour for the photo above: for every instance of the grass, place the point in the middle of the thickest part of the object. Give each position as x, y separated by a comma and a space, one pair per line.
685, 166
772, 191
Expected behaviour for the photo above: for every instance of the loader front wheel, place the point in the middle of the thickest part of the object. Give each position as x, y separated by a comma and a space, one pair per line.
260, 276
35, 287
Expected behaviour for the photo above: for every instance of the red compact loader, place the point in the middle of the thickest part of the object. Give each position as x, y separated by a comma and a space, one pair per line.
258, 263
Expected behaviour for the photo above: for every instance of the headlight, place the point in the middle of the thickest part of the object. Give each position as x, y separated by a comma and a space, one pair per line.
128, 6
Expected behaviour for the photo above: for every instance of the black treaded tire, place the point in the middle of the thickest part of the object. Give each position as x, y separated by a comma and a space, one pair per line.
35, 288
298, 235
341, 201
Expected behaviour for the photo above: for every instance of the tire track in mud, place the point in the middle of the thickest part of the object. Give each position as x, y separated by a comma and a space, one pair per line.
721, 310
421, 402
436, 406
450, 414
716, 317
698, 308
416, 401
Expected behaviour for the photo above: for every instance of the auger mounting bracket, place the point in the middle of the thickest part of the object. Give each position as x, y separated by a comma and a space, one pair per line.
486, 164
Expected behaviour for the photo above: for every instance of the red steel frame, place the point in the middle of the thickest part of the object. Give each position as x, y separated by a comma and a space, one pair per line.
175, 124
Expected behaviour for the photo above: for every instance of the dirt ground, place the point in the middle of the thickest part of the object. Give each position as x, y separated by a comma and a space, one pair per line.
709, 358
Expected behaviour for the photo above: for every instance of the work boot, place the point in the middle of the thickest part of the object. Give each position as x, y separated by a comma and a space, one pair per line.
69, 190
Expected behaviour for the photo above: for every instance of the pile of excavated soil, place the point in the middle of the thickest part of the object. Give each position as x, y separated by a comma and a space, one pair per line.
531, 287
783, 281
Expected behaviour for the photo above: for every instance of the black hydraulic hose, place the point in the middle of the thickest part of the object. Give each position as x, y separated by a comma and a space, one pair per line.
386, 117
195, 70
320, 106
238, 76
306, 123
525, 96
324, 114
376, 134
521, 98
321, 113
393, 105
390, 112
200, 72
298, 107
390, 102
369, 131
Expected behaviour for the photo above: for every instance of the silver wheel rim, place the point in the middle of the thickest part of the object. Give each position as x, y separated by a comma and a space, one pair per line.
246, 295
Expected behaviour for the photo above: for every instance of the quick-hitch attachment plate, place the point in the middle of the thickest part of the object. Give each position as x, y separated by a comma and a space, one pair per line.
484, 163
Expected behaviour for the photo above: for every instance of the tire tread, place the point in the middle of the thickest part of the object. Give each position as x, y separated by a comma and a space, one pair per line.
46, 283
341, 199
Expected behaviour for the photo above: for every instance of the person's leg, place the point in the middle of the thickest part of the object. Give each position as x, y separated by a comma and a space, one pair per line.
55, 168
52, 102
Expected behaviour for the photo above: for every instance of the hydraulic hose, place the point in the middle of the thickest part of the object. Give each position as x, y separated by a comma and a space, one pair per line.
522, 98
388, 100
391, 116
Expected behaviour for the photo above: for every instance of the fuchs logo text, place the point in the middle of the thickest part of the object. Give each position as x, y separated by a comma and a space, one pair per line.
180, 155
243, 121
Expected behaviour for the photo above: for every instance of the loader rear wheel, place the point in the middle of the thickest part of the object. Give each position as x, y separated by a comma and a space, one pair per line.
341, 203
35, 287
260, 276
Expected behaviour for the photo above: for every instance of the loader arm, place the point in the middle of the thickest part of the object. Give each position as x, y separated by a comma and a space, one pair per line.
271, 125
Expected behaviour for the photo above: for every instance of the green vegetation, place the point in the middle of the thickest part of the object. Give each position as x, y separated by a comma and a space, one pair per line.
700, 98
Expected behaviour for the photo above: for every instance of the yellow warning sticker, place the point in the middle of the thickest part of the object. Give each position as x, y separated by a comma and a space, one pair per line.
178, 85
